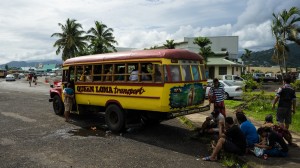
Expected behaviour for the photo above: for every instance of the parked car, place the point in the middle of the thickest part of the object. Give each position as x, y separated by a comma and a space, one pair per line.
233, 80
231, 91
10, 77
21, 75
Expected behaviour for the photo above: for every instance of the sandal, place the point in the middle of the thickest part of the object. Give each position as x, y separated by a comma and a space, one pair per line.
208, 158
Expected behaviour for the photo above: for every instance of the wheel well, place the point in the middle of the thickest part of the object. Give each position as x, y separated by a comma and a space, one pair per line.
109, 102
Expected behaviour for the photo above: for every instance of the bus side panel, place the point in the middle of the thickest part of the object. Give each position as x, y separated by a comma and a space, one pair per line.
130, 97
183, 96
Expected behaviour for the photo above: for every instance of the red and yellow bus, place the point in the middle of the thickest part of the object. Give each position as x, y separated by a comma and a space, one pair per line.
134, 86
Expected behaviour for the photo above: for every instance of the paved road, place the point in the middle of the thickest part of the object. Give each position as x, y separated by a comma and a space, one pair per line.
31, 135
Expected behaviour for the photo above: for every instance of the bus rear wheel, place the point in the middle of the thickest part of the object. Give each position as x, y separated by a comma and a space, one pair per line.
58, 105
115, 118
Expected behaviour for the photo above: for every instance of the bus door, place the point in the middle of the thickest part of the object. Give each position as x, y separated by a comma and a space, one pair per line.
69, 77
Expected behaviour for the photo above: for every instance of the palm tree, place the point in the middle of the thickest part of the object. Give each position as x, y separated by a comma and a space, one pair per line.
71, 40
246, 55
170, 44
285, 28
205, 50
101, 38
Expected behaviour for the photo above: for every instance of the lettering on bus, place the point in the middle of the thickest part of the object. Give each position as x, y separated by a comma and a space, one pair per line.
111, 90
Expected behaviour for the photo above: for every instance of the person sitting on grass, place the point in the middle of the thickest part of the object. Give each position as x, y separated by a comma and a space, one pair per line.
284, 133
248, 129
214, 124
232, 141
276, 146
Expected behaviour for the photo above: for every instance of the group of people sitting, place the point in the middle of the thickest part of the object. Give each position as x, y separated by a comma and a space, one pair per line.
239, 136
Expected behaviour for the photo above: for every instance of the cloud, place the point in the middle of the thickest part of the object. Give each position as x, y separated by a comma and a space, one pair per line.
26, 26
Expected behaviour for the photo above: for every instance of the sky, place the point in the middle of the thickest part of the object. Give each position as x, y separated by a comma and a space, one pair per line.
26, 26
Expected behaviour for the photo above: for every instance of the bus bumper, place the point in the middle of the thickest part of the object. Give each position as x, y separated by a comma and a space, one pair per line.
190, 111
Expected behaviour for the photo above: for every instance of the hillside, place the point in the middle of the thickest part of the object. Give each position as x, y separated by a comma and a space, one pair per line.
263, 58
19, 64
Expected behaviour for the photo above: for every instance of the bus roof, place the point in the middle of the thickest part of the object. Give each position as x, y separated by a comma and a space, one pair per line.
179, 54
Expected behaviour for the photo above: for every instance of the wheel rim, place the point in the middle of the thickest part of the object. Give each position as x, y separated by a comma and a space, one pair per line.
226, 96
113, 117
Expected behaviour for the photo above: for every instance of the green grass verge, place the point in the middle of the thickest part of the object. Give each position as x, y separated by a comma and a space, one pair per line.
262, 106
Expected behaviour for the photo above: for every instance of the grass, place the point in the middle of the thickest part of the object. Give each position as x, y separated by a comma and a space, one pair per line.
259, 107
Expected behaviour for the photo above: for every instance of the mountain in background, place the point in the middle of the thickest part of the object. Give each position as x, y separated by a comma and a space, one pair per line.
19, 64
264, 58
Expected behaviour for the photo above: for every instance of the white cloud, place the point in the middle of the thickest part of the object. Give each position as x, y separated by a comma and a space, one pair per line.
26, 25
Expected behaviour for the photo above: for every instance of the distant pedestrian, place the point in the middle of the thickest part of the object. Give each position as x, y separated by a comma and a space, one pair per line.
29, 78
35, 79
286, 98
216, 96
68, 101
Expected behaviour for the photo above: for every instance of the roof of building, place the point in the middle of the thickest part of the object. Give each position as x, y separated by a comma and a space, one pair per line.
49, 66
221, 61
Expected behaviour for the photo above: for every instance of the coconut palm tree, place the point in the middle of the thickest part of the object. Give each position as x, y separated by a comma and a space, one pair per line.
285, 28
71, 40
101, 38
205, 50
170, 44
246, 56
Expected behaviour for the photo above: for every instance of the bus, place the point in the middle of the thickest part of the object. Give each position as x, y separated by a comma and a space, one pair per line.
3, 73
146, 86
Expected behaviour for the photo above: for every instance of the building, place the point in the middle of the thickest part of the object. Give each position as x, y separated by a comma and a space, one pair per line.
226, 57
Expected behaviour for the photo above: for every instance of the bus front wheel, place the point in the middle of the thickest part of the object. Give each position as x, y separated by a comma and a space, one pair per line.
58, 105
115, 118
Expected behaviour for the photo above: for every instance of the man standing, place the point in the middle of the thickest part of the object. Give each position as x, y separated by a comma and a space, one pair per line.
68, 101
286, 96
216, 96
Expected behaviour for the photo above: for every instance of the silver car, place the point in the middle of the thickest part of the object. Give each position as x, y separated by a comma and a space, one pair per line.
10, 77
231, 91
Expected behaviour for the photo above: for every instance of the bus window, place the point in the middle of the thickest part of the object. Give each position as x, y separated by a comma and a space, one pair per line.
97, 73
119, 72
157, 73
175, 73
146, 72
108, 71
133, 71
88, 73
186, 73
79, 73
202, 72
195, 70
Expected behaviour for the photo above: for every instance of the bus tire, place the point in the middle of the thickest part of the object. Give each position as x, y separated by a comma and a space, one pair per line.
115, 118
58, 105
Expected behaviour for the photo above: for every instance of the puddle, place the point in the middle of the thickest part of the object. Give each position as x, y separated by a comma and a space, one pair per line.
98, 131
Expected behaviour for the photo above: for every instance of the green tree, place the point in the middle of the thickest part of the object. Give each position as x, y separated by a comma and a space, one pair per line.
246, 56
285, 28
170, 44
205, 50
101, 39
71, 40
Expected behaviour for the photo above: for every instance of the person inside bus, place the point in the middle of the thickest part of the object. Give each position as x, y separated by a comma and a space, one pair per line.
82, 77
144, 74
157, 75
134, 74
121, 73
108, 74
